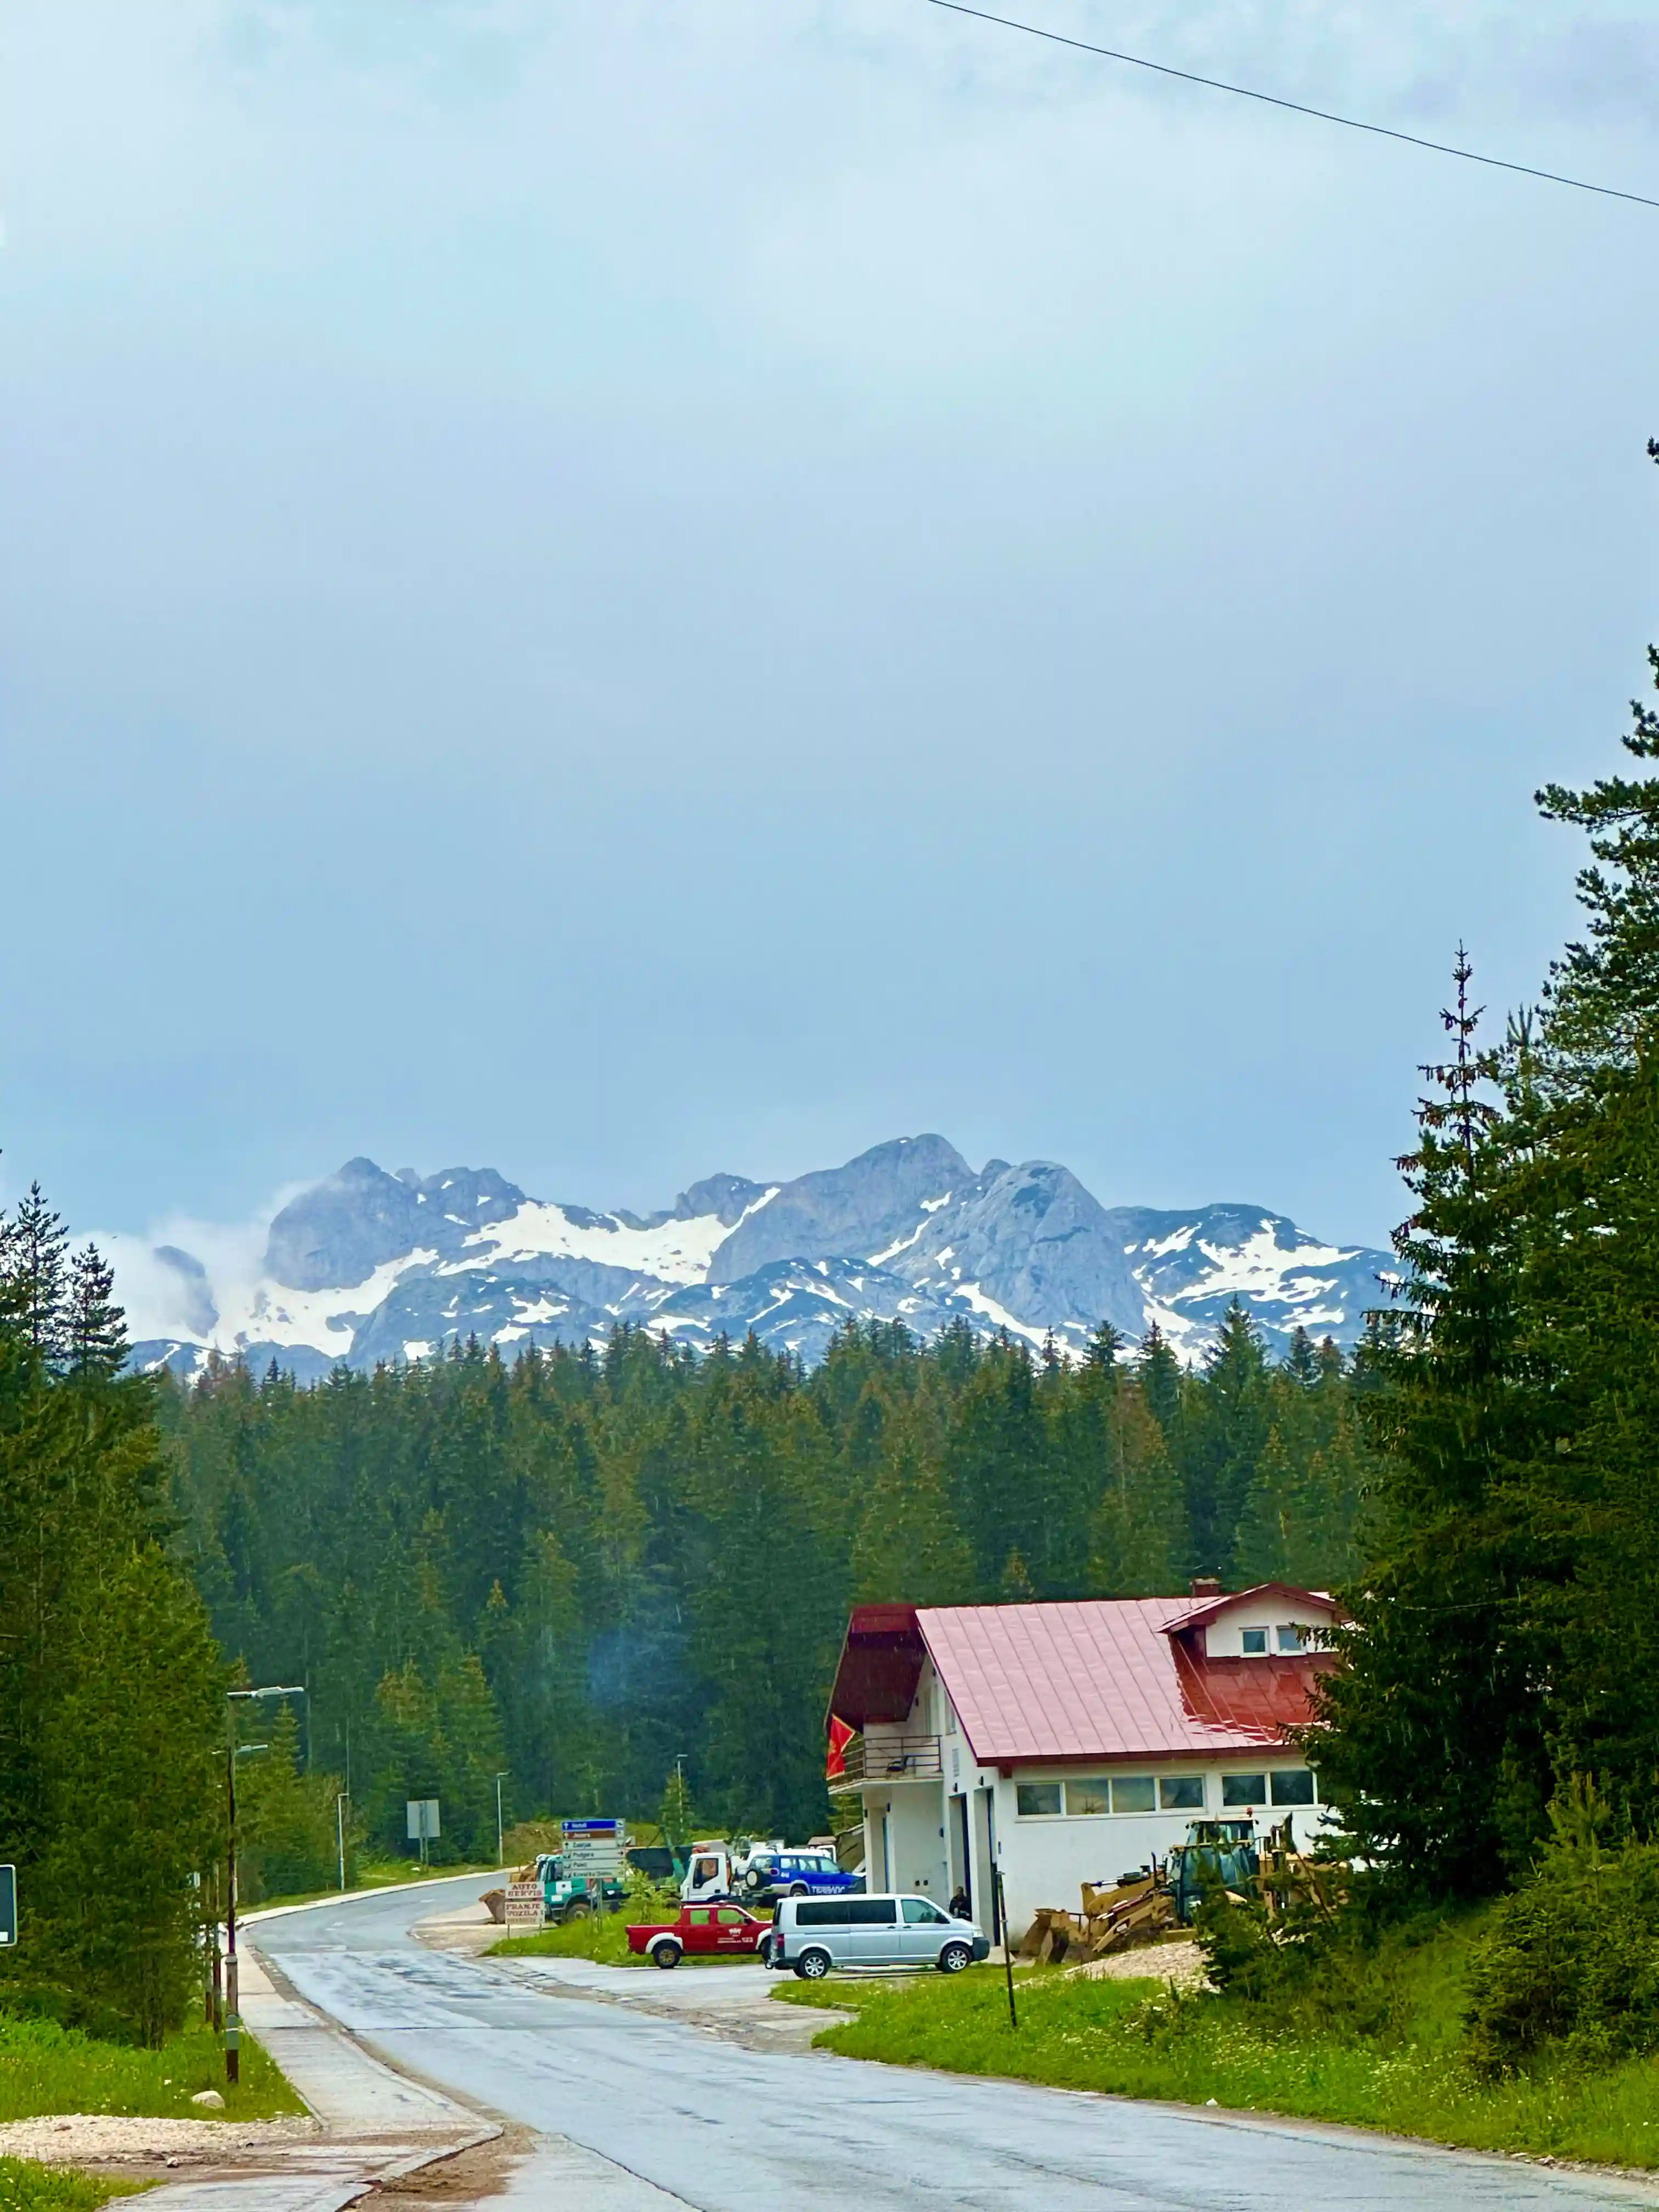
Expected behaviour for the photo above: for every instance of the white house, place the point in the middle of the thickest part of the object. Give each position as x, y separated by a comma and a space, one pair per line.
1068, 1743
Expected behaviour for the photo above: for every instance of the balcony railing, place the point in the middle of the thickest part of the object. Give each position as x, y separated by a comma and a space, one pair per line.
890, 1758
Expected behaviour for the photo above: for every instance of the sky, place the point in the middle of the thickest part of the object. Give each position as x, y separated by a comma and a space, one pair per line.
618, 590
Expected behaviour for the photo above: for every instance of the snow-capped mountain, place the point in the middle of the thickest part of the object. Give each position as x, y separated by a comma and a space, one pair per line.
366, 1266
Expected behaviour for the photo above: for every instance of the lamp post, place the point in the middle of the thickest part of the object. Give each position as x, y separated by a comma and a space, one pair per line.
340, 1803
500, 1845
233, 2008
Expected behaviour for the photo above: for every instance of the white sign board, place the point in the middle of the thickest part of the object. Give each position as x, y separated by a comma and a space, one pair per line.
593, 1850
422, 1814
523, 1905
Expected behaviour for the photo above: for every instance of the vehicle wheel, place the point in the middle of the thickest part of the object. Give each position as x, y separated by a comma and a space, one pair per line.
751, 1879
666, 1954
763, 1950
813, 1966
954, 1957
798, 1889
579, 1909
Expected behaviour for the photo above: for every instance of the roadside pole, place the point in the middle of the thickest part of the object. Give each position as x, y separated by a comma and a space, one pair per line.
1007, 1947
233, 2005
339, 1827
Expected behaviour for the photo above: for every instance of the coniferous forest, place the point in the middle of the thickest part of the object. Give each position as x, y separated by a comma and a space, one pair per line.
586, 1566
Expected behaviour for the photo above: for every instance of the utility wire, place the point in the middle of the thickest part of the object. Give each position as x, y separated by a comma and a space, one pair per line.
1295, 106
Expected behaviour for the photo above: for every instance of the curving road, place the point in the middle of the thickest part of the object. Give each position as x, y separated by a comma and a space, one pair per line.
698, 2119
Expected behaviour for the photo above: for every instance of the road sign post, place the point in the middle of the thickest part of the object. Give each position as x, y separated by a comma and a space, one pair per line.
422, 1813
8, 1907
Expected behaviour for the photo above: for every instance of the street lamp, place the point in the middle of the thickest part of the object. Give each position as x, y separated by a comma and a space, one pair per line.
233, 2007
498, 1780
341, 1800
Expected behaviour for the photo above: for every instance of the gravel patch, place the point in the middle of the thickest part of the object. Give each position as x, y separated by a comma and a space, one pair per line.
1180, 1963
95, 2138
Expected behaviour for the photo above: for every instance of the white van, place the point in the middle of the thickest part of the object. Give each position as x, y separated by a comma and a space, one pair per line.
813, 1934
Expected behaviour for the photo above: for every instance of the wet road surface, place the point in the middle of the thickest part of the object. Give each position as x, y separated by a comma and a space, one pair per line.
663, 2112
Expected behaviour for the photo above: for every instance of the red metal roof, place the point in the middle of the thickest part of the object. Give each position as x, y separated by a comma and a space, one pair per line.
880, 1666
1106, 1679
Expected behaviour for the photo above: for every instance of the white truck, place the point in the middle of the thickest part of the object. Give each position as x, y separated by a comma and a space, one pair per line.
755, 1874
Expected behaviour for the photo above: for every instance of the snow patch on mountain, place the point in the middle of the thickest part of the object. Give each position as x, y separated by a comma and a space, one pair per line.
366, 1266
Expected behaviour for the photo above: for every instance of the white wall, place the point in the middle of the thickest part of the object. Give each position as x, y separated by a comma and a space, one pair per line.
1225, 1639
1045, 1859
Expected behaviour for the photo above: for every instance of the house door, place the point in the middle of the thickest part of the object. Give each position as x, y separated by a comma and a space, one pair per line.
962, 1869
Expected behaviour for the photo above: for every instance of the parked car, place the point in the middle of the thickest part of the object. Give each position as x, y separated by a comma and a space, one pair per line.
768, 1874
813, 1934
756, 1873
722, 1931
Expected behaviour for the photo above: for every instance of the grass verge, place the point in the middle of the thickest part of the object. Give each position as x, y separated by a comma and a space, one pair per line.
603, 1938
1134, 2039
27, 2186
47, 2068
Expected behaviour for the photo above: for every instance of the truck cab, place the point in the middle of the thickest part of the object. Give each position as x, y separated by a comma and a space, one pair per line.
761, 1872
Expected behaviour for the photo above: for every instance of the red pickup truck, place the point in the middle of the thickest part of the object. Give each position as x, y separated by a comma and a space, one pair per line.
712, 1931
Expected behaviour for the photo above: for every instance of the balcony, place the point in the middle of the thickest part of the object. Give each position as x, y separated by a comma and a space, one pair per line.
890, 1758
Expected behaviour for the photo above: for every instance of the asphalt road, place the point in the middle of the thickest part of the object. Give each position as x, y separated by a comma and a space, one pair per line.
727, 2129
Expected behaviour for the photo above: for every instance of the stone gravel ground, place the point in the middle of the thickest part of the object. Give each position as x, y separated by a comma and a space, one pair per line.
108, 2138
1180, 1963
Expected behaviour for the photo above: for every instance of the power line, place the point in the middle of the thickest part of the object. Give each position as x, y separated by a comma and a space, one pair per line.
1295, 106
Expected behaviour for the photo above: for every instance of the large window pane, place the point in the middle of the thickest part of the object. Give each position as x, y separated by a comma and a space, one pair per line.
1087, 1797
1133, 1792
1293, 1785
1037, 1796
1292, 1639
1243, 1788
1254, 1642
1181, 1792
865, 1912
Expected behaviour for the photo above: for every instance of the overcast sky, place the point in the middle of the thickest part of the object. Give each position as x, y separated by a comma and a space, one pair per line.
620, 588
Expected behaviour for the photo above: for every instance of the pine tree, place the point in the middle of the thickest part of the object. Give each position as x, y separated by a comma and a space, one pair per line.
1223, 1434
1436, 1752
1158, 1373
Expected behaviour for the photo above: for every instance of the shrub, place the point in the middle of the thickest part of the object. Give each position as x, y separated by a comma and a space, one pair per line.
1570, 1958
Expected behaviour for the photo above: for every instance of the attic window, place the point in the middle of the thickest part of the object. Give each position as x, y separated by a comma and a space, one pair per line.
1292, 1637
1253, 1642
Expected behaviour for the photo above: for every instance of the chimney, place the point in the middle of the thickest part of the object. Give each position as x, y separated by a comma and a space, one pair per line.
1203, 1586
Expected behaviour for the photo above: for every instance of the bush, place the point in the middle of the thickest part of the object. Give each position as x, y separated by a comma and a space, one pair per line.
67, 2007
1572, 1956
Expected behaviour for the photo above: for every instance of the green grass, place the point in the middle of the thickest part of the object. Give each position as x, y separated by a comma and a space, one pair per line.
27, 2186
1132, 2038
47, 2068
603, 1938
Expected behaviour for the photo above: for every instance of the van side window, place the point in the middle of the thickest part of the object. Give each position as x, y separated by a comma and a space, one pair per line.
867, 1912
824, 1911
918, 1913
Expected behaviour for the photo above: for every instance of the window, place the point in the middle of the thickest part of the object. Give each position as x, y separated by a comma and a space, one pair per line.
871, 1911
730, 1918
824, 1911
1181, 1792
1243, 1790
918, 1913
1133, 1793
1254, 1642
1292, 1638
1035, 1798
700, 1916
1084, 1797
1293, 1785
